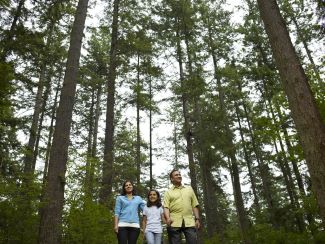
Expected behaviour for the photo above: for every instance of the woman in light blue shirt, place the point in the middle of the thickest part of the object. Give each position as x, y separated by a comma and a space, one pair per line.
126, 221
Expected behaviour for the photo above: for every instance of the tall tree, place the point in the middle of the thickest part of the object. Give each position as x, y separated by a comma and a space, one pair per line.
51, 214
301, 101
107, 176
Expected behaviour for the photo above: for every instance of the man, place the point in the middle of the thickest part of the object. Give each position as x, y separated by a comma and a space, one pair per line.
180, 204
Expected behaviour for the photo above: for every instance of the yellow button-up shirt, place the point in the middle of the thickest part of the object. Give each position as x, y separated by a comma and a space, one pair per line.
180, 201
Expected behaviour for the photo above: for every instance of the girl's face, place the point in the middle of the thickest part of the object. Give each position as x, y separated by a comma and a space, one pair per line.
153, 196
128, 187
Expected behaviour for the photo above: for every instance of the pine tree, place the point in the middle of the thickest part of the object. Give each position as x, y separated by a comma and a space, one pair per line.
51, 213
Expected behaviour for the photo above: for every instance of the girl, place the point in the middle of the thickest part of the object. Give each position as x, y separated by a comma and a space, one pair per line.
126, 222
152, 215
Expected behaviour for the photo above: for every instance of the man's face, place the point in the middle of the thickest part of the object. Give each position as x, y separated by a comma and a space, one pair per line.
176, 178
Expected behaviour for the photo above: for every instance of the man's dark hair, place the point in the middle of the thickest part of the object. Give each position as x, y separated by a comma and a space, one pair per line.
171, 173
123, 192
157, 202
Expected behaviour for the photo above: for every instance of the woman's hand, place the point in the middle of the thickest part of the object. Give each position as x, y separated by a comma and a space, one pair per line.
116, 229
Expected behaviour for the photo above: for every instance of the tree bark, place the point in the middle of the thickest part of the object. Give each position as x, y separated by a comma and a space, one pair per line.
51, 214
29, 154
150, 134
234, 170
138, 145
106, 188
308, 52
309, 124
89, 159
41, 120
282, 158
263, 170
187, 127
248, 161
94, 139
51, 130
213, 216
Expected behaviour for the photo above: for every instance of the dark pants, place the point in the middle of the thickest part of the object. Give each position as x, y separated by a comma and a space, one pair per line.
128, 235
175, 234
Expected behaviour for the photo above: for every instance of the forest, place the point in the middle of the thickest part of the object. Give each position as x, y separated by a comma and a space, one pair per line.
231, 92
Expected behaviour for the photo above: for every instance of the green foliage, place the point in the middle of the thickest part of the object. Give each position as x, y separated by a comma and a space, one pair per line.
6, 89
18, 209
213, 240
266, 234
147, 57
88, 222
8, 122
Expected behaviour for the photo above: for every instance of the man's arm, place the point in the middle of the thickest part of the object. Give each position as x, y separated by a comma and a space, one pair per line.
167, 216
166, 209
197, 217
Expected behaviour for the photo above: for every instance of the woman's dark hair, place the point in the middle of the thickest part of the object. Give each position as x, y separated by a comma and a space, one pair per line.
123, 192
157, 202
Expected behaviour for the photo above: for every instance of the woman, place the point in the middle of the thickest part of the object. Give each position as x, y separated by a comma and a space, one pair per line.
153, 213
126, 222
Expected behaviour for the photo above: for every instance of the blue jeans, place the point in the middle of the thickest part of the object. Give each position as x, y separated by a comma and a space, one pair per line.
175, 234
153, 238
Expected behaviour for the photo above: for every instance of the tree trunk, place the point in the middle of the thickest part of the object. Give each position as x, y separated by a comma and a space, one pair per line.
282, 158
294, 163
150, 134
248, 162
97, 115
308, 52
175, 138
290, 151
47, 82
29, 154
234, 170
89, 159
51, 130
41, 120
138, 145
309, 124
187, 127
263, 170
94, 139
242, 215
51, 214
106, 188
214, 220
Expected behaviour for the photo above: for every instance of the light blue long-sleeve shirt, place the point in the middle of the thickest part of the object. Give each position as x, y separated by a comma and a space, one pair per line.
127, 210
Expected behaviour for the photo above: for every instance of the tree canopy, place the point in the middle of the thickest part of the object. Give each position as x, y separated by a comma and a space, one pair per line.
93, 93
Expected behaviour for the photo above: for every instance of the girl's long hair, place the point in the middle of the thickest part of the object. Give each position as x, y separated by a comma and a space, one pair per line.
157, 202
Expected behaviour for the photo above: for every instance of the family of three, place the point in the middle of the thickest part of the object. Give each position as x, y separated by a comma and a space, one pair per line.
179, 211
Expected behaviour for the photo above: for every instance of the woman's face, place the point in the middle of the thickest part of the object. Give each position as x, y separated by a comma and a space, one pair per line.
153, 196
128, 187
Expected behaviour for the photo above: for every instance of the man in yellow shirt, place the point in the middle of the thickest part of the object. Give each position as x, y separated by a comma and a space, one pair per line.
180, 204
